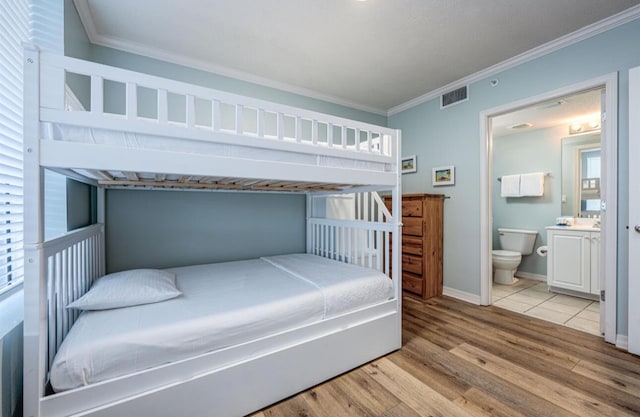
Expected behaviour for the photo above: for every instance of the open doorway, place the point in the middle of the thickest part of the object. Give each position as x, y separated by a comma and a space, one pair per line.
567, 120
560, 140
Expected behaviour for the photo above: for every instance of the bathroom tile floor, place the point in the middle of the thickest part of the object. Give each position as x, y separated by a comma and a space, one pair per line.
532, 298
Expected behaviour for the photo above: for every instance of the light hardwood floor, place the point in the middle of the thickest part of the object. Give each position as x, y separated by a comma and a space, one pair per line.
463, 360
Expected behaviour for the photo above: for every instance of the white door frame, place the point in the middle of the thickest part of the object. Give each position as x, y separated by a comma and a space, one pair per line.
634, 210
609, 218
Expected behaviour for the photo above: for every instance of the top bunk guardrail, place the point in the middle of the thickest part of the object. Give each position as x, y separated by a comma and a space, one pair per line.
123, 100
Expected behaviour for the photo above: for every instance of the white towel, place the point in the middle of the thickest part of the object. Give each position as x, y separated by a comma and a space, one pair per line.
532, 185
510, 186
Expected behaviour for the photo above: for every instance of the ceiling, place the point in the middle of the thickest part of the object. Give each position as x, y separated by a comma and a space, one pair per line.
373, 55
581, 108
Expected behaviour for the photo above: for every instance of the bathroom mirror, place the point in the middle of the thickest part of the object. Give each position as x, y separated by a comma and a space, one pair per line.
581, 175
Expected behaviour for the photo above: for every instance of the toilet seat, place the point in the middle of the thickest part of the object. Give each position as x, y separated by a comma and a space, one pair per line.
505, 254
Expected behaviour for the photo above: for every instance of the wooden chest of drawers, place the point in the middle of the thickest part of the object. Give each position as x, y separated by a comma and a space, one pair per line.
421, 243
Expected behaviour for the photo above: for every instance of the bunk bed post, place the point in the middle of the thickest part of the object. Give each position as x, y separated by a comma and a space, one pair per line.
396, 265
309, 226
35, 299
100, 218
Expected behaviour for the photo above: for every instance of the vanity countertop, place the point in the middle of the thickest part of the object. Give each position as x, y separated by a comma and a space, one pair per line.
575, 227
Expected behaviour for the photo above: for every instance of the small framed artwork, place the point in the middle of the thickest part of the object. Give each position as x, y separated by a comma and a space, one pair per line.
409, 164
444, 175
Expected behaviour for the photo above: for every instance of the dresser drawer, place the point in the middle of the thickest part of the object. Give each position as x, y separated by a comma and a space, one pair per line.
412, 208
412, 226
412, 283
412, 263
412, 245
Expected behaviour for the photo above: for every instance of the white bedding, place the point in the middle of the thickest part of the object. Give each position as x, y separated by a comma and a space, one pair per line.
222, 305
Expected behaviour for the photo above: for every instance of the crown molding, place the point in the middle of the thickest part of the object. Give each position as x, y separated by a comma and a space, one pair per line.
586, 32
94, 37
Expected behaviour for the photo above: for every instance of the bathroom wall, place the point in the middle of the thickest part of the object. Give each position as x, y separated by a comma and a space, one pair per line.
520, 153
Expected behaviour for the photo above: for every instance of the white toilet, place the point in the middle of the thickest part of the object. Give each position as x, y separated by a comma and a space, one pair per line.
514, 244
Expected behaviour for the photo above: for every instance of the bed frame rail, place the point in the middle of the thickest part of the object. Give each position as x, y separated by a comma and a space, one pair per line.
153, 105
71, 262
356, 242
362, 234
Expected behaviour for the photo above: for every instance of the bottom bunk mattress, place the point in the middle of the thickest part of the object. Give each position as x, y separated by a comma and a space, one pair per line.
221, 305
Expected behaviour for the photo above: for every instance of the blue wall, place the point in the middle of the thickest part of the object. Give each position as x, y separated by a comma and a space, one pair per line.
535, 151
452, 137
161, 229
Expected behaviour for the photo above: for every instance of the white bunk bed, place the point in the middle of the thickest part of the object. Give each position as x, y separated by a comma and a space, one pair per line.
243, 144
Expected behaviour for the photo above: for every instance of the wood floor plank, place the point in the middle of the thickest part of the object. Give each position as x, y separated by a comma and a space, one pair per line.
440, 381
365, 393
295, 406
413, 392
428, 354
401, 410
542, 360
532, 368
481, 404
326, 401
558, 337
628, 382
543, 387
477, 331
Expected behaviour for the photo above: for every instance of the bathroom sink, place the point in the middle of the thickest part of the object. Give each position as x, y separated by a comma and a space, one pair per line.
577, 227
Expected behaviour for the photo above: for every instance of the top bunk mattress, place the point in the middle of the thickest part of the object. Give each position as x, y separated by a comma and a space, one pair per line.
222, 305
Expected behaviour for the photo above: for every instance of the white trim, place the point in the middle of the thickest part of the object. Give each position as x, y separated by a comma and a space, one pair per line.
633, 314
576, 294
461, 295
622, 342
586, 32
608, 268
529, 275
84, 12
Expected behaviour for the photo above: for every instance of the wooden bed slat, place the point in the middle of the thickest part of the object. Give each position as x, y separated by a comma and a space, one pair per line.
248, 185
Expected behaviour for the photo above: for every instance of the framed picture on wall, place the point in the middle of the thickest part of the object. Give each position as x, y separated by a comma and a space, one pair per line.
444, 175
409, 164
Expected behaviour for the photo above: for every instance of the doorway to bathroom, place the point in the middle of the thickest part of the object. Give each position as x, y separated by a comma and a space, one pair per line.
562, 141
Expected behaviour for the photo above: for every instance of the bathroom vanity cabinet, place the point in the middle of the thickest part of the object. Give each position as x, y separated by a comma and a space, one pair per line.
422, 216
573, 259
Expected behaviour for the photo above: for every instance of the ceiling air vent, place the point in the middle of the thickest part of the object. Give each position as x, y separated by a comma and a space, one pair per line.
454, 97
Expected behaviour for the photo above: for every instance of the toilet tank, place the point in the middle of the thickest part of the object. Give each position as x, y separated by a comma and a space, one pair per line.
517, 240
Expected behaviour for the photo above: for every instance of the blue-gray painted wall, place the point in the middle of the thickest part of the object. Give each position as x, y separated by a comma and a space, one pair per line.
161, 229
452, 137
521, 153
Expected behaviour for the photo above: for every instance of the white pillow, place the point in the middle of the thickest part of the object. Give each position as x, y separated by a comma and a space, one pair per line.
128, 288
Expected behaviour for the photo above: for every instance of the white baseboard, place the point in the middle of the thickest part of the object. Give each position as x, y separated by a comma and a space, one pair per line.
622, 342
461, 295
530, 275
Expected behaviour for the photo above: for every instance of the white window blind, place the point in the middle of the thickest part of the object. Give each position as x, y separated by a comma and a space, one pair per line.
14, 30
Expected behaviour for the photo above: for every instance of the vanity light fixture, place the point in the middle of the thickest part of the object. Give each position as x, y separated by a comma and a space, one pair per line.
584, 127
575, 128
